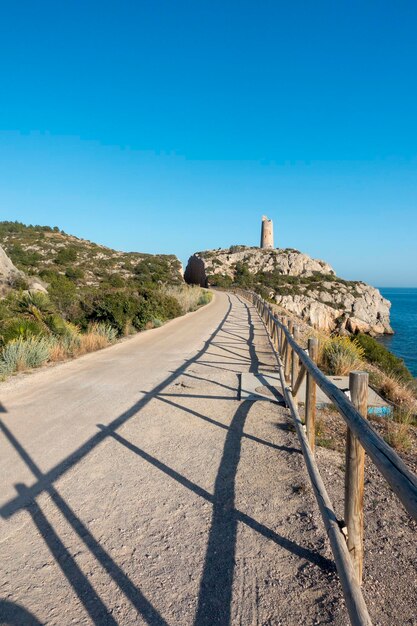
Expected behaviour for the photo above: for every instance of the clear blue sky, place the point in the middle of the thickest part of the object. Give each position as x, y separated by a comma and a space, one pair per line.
172, 126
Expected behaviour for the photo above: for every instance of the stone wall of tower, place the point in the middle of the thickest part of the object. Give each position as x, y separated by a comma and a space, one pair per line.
267, 233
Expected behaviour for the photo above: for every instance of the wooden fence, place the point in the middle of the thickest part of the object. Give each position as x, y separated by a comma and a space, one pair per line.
346, 538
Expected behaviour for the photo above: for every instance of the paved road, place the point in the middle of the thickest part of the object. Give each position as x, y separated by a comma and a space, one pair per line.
138, 489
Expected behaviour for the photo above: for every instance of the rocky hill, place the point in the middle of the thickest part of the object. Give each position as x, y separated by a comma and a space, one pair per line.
304, 286
41, 255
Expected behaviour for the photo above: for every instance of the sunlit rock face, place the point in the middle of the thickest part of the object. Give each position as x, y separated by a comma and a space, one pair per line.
307, 287
10, 275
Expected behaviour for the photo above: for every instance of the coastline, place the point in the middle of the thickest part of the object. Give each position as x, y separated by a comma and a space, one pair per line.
404, 322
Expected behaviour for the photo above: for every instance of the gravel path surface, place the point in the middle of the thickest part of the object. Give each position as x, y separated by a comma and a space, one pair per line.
138, 489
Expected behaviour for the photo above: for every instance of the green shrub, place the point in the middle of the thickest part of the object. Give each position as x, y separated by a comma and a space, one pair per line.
341, 355
48, 275
243, 277
156, 304
20, 328
156, 269
166, 307
378, 354
264, 292
56, 324
23, 259
34, 304
63, 293
113, 280
66, 255
117, 309
5, 310
224, 281
18, 282
74, 273
287, 291
22, 354
205, 298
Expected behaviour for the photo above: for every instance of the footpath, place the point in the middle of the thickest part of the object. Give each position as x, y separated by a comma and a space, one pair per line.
138, 489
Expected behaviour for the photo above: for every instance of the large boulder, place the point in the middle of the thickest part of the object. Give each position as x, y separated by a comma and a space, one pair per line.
10, 276
8, 271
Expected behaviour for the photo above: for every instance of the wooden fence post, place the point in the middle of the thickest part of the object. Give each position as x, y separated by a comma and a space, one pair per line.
289, 354
275, 336
270, 326
295, 366
278, 334
354, 474
313, 349
284, 323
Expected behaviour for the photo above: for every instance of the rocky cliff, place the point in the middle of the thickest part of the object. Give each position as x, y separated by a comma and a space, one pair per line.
304, 286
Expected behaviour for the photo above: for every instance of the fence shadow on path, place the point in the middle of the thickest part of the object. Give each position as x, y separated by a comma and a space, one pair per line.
216, 585
214, 601
85, 592
52, 475
215, 595
25, 500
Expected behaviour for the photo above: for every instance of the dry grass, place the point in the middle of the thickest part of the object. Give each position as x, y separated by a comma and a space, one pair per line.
58, 352
90, 342
324, 437
189, 297
25, 354
397, 391
398, 432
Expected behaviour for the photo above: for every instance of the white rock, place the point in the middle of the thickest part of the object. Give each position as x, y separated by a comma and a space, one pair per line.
329, 306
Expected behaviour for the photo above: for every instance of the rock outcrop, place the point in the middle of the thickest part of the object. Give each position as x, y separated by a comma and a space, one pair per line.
10, 276
341, 311
306, 287
8, 272
204, 265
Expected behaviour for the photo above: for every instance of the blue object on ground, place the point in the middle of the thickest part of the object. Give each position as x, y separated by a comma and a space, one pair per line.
381, 411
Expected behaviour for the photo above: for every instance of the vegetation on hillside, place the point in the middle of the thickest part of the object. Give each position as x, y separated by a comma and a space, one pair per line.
270, 283
32, 331
55, 256
388, 374
379, 355
93, 296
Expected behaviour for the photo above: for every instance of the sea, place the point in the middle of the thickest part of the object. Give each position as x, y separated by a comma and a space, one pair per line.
404, 323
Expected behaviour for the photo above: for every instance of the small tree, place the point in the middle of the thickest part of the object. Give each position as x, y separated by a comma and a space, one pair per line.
66, 255
243, 277
63, 293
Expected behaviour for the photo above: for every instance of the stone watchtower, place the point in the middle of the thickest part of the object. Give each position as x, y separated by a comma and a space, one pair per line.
267, 233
